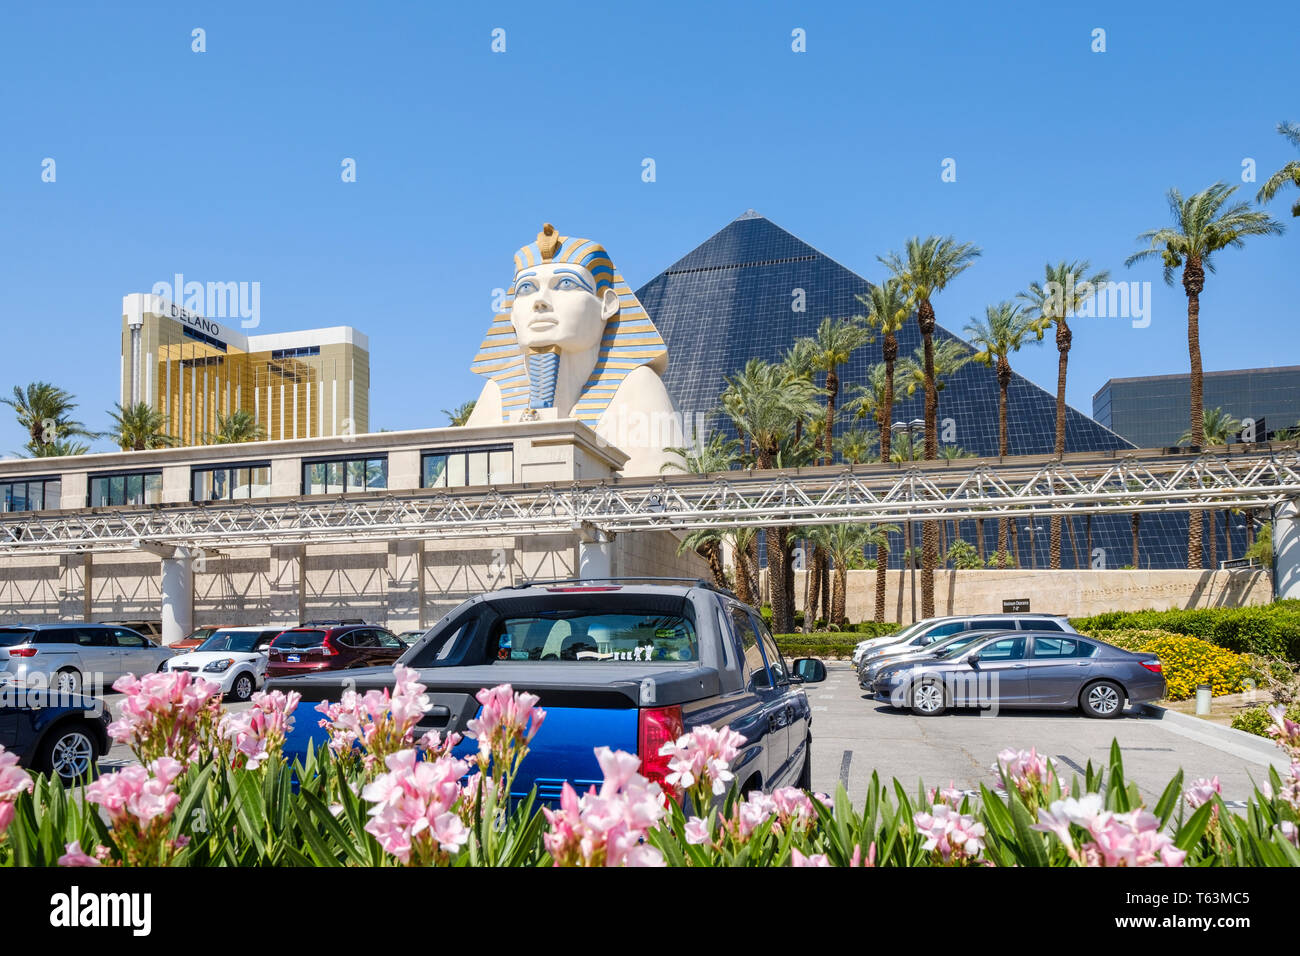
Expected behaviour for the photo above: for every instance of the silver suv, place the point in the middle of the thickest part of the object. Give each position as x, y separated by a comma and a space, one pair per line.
64, 655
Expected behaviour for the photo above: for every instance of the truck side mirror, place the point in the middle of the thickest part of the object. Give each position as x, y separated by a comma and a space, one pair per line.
810, 670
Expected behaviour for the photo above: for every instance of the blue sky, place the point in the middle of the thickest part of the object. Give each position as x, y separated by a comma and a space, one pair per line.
225, 165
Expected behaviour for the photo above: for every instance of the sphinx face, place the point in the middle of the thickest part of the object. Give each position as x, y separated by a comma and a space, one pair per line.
556, 305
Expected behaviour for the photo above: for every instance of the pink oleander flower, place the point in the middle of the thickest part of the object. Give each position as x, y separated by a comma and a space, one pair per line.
701, 760
951, 837
1127, 839
1284, 730
507, 722
414, 803
166, 714
794, 808
380, 722
751, 813
857, 861
951, 795
139, 803
1202, 791
434, 744
816, 859
607, 827
1030, 772
1290, 832
75, 856
259, 732
697, 831
13, 781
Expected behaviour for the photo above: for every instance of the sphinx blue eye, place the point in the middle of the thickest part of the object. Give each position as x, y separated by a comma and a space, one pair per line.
566, 284
525, 288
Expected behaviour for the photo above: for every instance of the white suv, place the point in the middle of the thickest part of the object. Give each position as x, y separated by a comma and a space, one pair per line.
234, 657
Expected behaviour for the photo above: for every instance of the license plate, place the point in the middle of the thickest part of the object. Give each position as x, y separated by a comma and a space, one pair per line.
294, 658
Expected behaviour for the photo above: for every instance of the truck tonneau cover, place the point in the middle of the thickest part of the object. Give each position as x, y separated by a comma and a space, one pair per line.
609, 684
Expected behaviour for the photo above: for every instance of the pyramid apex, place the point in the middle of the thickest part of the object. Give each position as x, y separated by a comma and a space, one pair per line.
749, 214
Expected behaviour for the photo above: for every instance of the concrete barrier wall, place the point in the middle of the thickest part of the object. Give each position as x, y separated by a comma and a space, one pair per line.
1074, 593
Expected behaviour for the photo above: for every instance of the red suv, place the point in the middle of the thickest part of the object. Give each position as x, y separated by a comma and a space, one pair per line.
306, 650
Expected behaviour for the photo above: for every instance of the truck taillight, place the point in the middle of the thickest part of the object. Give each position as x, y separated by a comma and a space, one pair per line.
1153, 666
22, 652
657, 726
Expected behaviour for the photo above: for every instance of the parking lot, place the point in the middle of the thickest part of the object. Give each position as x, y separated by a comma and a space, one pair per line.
852, 736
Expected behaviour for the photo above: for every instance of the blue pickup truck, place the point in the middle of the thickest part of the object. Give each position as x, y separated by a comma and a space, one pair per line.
623, 665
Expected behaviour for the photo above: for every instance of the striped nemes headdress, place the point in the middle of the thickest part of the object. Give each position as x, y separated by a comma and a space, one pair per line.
630, 340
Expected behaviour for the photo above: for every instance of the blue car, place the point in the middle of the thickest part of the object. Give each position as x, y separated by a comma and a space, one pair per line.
615, 664
54, 733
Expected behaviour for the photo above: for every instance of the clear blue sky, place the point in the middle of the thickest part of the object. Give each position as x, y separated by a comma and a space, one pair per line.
225, 165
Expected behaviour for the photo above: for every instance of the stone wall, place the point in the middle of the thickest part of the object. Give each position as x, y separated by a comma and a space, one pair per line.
1074, 593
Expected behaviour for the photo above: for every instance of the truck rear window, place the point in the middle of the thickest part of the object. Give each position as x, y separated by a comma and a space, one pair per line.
592, 636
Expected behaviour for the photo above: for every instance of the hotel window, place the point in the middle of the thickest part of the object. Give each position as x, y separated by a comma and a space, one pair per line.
126, 488
30, 494
232, 482
462, 467
335, 476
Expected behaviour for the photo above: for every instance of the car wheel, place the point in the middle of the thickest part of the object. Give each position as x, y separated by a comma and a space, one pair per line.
242, 688
69, 754
928, 698
1104, 699
68, 681
805, 775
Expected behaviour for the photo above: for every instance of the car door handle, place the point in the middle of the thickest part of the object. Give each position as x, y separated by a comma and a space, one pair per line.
1019, 666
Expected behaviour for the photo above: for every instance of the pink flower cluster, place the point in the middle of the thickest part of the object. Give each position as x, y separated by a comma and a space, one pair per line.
822, 860
1118, 839
139, 802
167, 714
74, 855
1028, 771
790, 809
700, 761
950, 795
1285, 731
1202, 791
258, 733
415, 815
13, 781
609, 827
952, 838
381, 722
506, 723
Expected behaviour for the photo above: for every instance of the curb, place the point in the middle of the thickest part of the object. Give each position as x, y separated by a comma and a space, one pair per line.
1228, 735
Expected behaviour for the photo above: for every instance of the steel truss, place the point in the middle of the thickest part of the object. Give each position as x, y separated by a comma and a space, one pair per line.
1150, 481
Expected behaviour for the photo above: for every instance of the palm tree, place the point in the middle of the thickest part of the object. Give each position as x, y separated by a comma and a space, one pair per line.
832, 346
764, 401
60, 447
923, 270
947, 357
1057, 298
844, 544
1220, 429
43, 411
857, 445
1204, 223
139, 427
460, 414
238, 426
1290, 173
887, 312
1004, 328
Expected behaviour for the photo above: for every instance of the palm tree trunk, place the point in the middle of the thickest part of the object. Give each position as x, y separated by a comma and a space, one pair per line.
839, 595
890, 349
743, 591
712, 553
1136, 521
1193, 283
1227, 532
1087, 530
882, 578
979, 537
929, 530
832, 392
1214, 539
1063, 338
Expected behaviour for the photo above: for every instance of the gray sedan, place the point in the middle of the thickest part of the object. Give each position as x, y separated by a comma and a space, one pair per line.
1019, 669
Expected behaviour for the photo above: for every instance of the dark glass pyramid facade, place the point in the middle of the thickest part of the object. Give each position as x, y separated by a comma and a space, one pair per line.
737, 296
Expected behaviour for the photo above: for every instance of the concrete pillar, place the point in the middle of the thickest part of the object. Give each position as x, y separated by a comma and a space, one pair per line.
75, 573
1286, 549
403, 594
177, 596
287, 566
595, 552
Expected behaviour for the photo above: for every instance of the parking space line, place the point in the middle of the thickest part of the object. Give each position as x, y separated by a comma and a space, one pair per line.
844, 768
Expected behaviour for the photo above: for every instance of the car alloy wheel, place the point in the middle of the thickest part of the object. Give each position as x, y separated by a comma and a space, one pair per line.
243, 687
927, 698
1104, 700
67, 682
72, 756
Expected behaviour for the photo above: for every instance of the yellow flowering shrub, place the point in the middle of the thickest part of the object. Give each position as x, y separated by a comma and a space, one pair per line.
1187, 661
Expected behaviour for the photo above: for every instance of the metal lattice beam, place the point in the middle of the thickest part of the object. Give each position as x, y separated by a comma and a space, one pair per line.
993, 488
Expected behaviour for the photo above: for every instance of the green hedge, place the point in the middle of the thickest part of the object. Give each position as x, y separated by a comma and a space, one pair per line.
1270, 629
815, 645
1257, 721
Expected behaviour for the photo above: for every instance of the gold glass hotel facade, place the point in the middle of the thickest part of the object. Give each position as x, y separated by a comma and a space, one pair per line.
308, 384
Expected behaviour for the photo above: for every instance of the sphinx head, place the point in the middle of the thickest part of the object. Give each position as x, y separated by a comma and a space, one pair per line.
563, 293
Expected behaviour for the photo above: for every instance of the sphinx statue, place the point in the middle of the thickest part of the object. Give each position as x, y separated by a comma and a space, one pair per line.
573, 341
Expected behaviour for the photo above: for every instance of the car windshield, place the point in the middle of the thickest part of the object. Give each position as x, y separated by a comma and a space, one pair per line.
591, 636
300, 639
955, 644
13, 636
905, 633
238, 641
